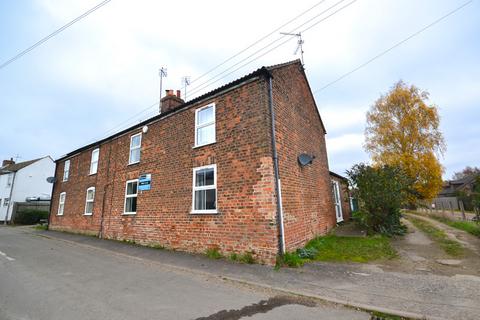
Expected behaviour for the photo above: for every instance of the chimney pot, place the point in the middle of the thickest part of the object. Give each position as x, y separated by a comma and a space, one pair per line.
170, 101
7, 162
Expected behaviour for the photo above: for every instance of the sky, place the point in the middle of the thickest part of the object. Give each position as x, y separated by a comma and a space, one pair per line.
101, 74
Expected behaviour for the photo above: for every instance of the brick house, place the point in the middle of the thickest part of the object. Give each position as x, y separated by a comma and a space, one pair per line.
203, 174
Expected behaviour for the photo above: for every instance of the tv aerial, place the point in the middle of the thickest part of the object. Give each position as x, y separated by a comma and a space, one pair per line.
300, 43
185, 83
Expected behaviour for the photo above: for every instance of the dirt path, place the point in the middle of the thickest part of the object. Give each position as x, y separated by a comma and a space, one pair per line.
467, 240
418, 254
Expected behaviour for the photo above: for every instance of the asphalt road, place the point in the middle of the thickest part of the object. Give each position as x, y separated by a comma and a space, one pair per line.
49, 279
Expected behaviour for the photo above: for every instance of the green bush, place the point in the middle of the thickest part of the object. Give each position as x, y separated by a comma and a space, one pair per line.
29, 216
381, 191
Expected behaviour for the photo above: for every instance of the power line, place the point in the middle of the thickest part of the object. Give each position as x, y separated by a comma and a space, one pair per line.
53, 34
234, 56
252, 60
393, 47
209, 83
258, 41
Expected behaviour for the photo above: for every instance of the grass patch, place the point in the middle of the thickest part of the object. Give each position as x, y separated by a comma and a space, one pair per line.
451, 247
246, 257
41, 227
213, 253
384, 316
340, 249
352, 249
468, 226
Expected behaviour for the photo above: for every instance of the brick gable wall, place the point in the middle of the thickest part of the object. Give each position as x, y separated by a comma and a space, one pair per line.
306, 191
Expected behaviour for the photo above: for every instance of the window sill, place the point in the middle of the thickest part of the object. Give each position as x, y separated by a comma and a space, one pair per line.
133, 163
59, 215
92, 174
203, 145
202, 212
88, 214
129, 213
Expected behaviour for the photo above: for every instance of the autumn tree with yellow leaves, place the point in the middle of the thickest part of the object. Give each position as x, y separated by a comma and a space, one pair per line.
403, 130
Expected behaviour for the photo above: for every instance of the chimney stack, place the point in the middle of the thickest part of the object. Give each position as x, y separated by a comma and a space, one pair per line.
170, 101
7, 162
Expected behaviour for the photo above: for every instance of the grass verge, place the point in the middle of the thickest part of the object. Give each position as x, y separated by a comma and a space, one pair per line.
40, 227
341, 249
468, 226
451, 247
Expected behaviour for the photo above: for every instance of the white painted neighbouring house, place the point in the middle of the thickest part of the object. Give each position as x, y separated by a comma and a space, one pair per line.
19, 181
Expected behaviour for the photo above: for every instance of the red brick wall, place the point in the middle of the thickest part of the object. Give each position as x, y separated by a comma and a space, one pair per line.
242, 153
245, 177
306, 191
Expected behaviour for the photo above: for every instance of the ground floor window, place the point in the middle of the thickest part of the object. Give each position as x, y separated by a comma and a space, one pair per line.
61, 203
89, 201
205, 189
131, 192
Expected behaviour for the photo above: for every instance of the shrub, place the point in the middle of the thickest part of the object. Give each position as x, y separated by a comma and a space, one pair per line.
307, 253
381, 191
30, 216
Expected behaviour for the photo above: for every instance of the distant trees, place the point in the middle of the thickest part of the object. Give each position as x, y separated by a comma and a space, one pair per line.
467, 171
403, 131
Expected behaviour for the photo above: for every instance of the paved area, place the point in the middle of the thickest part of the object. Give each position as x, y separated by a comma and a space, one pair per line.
50, 278
368, 286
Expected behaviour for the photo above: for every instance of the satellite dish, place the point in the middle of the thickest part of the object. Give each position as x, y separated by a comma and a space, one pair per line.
51, 179
305, 159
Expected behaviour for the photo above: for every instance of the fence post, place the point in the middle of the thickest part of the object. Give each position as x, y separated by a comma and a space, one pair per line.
462, 208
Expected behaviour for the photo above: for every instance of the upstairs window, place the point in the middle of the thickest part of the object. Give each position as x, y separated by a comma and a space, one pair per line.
89, 201
205, 189
94, 161
205, 125
61, 203
131, 191
135, 145
66, 170
6, 201
9, 179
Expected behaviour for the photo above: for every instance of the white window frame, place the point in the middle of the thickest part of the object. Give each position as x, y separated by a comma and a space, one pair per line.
129, 196
66, 170
197, 126
9, 179
196, 188
61, 204
130, 149
92, 161
87, 201
6, 201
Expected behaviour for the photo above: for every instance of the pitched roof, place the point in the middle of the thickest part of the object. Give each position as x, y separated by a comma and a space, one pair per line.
450, 187
17, 166
338, 176
263, 71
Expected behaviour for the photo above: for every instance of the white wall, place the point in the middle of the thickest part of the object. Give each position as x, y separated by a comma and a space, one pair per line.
30, 181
